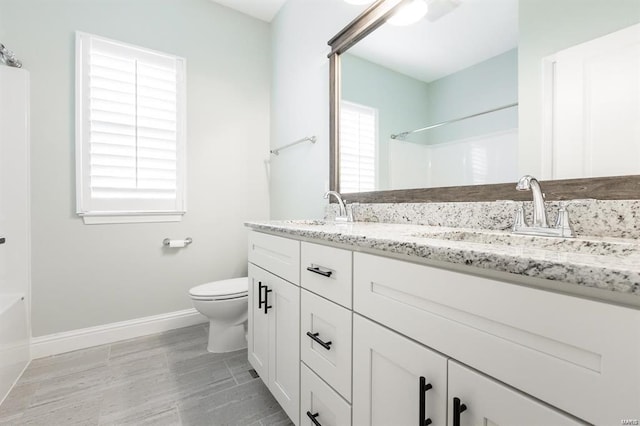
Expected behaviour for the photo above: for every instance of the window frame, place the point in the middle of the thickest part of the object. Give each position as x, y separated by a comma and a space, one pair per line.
124, 210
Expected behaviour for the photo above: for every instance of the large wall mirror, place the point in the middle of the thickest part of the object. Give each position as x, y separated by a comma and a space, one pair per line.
435, 110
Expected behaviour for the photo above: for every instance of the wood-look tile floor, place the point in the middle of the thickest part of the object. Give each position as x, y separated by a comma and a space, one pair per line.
162, 379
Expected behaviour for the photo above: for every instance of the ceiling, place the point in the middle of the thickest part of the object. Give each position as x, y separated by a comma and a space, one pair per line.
472, 32
460, 36
264, 10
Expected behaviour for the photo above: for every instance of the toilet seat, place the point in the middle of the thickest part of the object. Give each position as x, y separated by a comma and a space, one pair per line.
221, 290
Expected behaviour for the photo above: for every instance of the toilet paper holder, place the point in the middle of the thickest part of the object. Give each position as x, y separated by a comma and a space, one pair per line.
177, 243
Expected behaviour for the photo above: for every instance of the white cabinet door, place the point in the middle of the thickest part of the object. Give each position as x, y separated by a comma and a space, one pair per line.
258, 330
273, 337
387, 371
284, 341
485, 402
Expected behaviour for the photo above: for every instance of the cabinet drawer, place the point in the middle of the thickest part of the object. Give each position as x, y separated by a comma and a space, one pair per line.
280, 256
578, 355
321, 402
326, 322
327, 271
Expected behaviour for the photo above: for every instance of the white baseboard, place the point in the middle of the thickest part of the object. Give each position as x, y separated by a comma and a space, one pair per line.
54, 344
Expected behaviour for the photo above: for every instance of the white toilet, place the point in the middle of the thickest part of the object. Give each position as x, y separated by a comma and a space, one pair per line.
225, 303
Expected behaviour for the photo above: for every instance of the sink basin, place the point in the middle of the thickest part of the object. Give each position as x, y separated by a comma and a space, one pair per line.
566, 245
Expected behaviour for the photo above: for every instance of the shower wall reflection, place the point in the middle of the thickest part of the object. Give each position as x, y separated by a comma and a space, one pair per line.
476, 150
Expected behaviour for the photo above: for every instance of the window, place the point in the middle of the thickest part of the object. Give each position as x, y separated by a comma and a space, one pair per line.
358, 135
130, 132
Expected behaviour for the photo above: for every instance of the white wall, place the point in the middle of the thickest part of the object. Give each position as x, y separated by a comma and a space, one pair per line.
300, 104
483, 159
548, 26
87, 275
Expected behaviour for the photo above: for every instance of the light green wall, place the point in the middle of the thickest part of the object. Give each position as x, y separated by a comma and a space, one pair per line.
402, 102
547, 26
487, 85
88, 275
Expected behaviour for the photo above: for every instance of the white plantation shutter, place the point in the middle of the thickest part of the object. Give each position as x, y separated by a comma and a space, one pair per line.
358, 135
130, 118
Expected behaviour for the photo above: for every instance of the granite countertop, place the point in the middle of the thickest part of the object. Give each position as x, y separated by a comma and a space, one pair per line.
610, 265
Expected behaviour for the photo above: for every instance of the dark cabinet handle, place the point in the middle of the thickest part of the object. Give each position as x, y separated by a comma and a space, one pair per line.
2, 240
260, 287
313, 418
458, 408
316, 270
264, 302
266, 299
424, 387
315, 338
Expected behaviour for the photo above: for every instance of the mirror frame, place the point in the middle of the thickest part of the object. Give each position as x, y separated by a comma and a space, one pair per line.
602, 188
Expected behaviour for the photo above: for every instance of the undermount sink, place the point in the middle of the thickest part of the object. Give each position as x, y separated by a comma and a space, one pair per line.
567, 245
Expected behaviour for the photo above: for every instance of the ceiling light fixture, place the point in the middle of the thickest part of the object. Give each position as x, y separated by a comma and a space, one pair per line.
409, 13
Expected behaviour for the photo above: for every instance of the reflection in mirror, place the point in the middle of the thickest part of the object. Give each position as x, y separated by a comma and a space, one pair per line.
432, 104
593, 92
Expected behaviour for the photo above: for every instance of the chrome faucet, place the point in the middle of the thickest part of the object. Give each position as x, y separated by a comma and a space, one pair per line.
529, 183
540, 226
343, 215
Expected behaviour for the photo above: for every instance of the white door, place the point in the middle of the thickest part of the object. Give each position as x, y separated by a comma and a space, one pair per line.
477, 400
258, 333
283, 300
592, 92
14, 226
387, 372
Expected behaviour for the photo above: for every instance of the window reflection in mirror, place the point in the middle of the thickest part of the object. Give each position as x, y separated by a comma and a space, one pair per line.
459, 61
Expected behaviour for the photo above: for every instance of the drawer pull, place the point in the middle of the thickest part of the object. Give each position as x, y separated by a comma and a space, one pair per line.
2, 240
266, 294
315, 338
313, 418
457, 409
424, 387
316, 270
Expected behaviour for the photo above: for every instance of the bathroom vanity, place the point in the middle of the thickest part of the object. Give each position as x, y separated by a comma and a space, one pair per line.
463, 323
369, 323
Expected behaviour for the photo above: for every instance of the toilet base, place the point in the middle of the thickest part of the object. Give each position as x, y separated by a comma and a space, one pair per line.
225, 338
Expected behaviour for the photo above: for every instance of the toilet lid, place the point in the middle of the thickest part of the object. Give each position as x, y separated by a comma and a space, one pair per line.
222, 289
